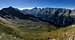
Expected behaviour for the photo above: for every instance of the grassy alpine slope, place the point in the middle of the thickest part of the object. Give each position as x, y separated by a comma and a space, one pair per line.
9, 31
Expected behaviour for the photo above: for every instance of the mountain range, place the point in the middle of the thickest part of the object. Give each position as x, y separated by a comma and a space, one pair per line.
37, 24
59, 17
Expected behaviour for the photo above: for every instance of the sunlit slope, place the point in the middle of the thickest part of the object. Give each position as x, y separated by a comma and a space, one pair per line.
7, 31
10, 31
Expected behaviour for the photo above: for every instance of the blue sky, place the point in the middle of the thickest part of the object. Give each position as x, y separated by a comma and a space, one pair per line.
38, 3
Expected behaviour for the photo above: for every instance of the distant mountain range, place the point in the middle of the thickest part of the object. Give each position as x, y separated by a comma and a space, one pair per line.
59, 17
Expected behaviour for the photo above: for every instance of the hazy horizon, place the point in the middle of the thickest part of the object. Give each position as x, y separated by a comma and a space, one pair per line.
37, 7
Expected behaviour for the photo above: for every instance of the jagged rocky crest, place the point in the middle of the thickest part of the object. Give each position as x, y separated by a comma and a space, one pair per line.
59, 17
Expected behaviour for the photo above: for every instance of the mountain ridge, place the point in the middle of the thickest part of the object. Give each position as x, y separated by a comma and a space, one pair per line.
55, 16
